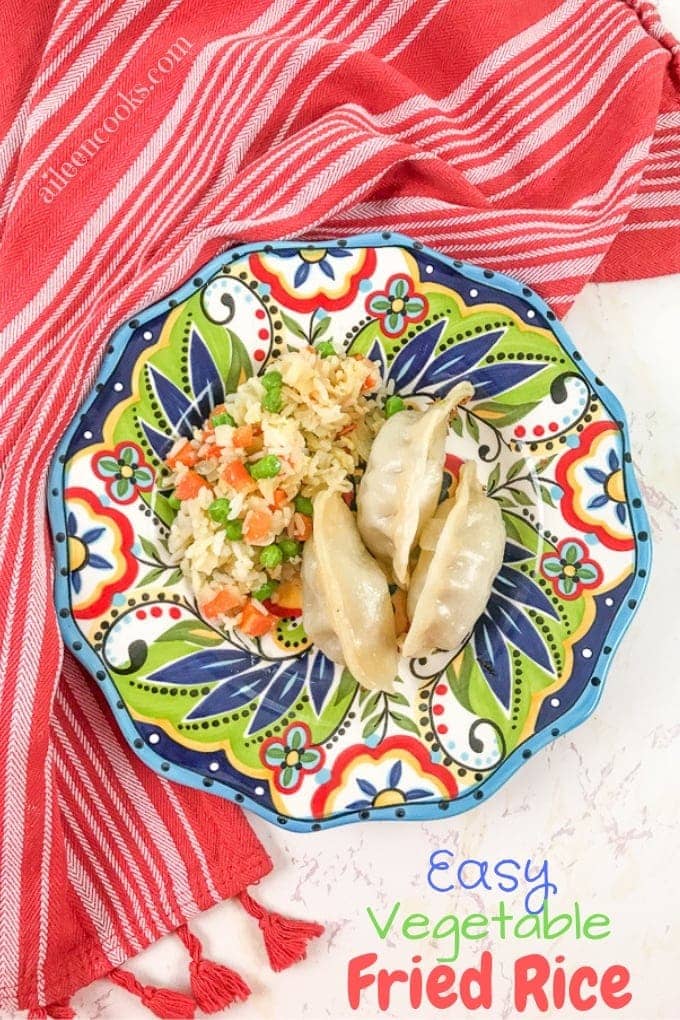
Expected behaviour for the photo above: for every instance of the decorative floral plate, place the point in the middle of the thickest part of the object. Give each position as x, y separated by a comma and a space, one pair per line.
275, 725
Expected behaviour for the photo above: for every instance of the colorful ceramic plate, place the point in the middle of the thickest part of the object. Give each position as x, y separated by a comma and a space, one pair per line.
276, 726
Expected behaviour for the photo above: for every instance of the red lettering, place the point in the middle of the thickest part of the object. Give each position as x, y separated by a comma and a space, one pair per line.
614, 980
415, 990
356, 979
559, 984
582, 975
475, 984
439, 986
387, 978
531, 973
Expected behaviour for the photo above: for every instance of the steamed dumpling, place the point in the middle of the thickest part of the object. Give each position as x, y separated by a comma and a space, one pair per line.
400, 487
346, 603
461, 553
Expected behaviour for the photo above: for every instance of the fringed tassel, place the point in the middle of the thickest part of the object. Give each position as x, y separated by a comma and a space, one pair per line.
214, 986
284, 938
60, 1010
164, 1002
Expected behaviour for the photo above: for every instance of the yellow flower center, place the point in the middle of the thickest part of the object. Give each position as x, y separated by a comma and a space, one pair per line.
569, 570
126, 471
77, 552
292, 758
389, 798
614, 487
312, 254
398, 305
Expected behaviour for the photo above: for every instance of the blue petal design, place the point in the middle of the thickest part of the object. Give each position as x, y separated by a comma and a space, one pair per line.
326, 268
596, 475
514, 553
521, 588
492, 655
495, 379
395, 774
158, 441
320, 681
597, 501
338, 253
93, 534
458, 360
174, 404
301, 274
76, 582
377, 354
284, 688
518, 629
71, 523
210, 665
411, 361
358, 804
206, 382
416, 794
98, 562
613, 461
366, 787
286, 253
621, 512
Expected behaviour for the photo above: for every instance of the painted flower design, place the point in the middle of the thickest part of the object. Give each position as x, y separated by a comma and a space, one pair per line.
391, 794
397, 772
397, 305
292, 757
305, 279
591, 476
611, 484
124, 471
82, 551
100, 562
570, 570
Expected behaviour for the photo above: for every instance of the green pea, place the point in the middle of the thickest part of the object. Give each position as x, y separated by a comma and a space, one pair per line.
223, 419
267, 467
289, 548
265, 591
272, 380
174, 502
393, 405
272, 401
304, 505
234, 530
219, 510
271, 556
325, 349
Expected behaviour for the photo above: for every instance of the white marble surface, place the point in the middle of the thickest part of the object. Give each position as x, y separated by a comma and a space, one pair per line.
601, 804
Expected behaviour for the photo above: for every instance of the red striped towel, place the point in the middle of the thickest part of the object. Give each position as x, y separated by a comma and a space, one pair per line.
141, 137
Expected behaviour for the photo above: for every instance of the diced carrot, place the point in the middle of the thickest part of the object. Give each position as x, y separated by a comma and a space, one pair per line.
346, 431
224, 602
236, 475
185, 455
288, 595
280, 498
189, 485
242, 436
257, 525
302, 527
254, 623
368, 383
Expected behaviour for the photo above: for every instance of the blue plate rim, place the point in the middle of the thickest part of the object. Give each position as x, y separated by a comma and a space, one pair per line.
575, 716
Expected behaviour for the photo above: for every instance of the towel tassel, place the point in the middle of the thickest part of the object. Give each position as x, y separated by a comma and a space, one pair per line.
164, 1002
214, 986
57, 1010
285, 939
